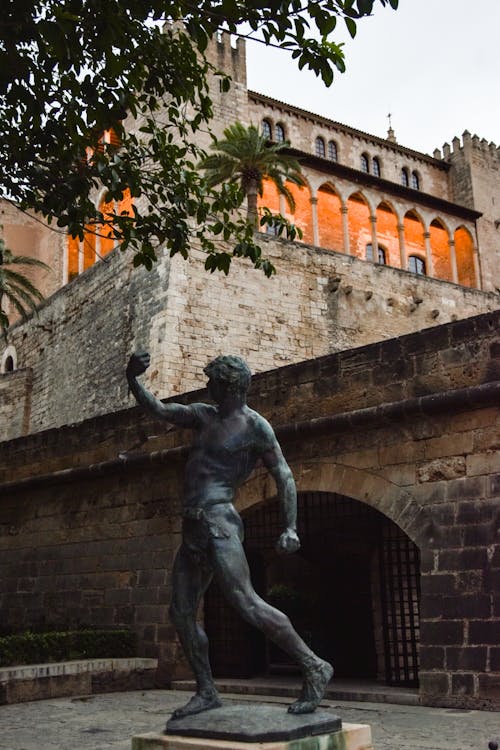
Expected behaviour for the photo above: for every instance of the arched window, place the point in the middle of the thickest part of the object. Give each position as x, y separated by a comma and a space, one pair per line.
9, 360
416, 265
376, 166
279, 133
381, 253
365, 164
332, 150
266, 129
404, 177
415, 181
320, 147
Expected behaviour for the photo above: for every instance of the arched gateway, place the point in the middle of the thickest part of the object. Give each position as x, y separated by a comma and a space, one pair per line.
352, 591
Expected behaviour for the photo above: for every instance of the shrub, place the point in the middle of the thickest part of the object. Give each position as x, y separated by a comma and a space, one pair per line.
35, 648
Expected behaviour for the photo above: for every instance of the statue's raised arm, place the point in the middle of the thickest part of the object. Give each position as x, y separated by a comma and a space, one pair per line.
178, 414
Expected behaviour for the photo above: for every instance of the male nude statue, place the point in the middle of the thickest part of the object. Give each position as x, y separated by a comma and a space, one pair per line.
230, 440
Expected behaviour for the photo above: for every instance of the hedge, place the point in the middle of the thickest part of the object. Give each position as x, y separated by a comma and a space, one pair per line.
36, 648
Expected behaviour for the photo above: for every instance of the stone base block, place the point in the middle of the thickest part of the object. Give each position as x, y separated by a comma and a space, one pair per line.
350, 737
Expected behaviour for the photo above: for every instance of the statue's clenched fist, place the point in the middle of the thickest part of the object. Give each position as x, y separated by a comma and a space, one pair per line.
138, 363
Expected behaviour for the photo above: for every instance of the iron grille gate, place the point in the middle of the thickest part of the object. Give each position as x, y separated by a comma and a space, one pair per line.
351, 545
400, 594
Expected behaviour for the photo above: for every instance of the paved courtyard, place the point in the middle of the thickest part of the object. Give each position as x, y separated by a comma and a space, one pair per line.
107, 722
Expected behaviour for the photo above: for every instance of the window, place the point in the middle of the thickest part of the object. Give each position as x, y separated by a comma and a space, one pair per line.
320, 147
266, 129
415, 181
332, 150
404, 177
9, 360
279, 133
376, 167
365, 165
416, 265
381, 253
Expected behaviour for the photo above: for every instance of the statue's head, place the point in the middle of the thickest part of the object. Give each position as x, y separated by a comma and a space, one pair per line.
228, 374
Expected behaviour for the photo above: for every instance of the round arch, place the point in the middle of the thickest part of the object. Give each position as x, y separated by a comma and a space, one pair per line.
359, 210
327, 475
414, 234
329, 210
440, 249
387, 232
464, 249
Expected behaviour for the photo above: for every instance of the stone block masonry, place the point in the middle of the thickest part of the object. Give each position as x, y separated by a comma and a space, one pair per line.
89, 513
77, 347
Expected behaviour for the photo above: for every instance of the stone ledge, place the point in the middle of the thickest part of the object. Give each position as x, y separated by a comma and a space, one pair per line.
80, 677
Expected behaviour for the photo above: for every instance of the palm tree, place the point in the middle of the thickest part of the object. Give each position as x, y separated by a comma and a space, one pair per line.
15, 286
245, 156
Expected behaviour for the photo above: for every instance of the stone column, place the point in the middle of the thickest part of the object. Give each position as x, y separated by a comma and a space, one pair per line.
477, 269
345, 228
81, 255
314, 213
373, 222
428, 254
402, 247
453, 261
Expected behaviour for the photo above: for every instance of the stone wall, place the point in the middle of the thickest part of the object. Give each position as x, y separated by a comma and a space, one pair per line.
475, 179
318, 302
408, 425
302, 128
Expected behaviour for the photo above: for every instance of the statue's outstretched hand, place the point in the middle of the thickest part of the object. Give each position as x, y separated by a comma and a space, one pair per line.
288, 541
138, 363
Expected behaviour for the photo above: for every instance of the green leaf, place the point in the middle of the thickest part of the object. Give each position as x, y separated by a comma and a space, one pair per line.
351, 26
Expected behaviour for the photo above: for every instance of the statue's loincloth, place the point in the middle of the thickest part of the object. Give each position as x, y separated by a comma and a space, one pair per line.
200, 526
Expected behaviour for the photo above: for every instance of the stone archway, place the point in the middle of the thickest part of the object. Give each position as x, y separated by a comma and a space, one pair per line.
353, 590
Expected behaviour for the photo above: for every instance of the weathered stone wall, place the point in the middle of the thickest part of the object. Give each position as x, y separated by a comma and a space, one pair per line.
475, 180
96, 544
318, 302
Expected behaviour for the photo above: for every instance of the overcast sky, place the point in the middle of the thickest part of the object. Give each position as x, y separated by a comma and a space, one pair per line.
434, 64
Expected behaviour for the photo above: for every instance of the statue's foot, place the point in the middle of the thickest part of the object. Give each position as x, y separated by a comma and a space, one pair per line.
198, 703
315, 681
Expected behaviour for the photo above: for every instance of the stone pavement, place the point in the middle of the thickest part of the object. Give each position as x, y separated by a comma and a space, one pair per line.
107, 722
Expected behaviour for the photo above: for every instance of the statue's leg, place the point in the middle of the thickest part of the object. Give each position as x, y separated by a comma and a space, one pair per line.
191, 577
232, 573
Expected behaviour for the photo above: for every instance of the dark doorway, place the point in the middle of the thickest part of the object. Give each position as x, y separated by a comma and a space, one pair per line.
352, 592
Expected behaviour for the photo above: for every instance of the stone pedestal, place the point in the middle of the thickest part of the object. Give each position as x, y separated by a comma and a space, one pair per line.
251, 726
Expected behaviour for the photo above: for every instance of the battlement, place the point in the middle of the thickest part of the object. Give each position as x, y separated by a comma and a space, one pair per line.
228, 53
466, 145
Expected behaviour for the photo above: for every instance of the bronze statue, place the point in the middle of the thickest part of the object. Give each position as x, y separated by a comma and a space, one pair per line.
230, 440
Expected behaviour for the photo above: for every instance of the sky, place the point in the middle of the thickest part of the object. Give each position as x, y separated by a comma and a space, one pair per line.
433, 64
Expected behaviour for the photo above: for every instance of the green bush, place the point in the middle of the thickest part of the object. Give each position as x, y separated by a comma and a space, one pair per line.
36, 648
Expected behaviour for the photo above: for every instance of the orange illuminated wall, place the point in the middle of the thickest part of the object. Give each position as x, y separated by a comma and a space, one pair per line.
358, 216
331, 234
414, 235
98, 240
464, 249
302, 217
270, 197
105, 232
387, 234
440, 251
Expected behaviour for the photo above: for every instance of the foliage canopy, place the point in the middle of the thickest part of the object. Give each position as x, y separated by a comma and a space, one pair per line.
244, 156
72, 69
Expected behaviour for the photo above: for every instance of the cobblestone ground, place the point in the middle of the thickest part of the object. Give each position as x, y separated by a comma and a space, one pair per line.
107, 722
